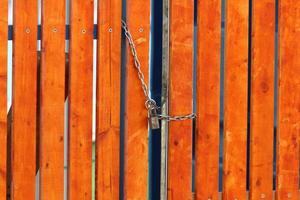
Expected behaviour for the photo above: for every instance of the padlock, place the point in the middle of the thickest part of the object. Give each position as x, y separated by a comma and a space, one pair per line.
153, 119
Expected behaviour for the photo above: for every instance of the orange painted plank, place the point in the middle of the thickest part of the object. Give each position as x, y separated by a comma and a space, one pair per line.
136, 120
289, 101
52, 100
262, 99
80, 96
180, 99
108, 100
24, 99
3, 95
208, 99
235, 113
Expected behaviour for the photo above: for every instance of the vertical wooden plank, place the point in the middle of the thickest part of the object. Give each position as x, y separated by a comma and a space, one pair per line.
208, 99
108, 100
136, 126
24, 99
235, 119
52, 100
262, 99
3, 95
180, 99
80, 94
289, 101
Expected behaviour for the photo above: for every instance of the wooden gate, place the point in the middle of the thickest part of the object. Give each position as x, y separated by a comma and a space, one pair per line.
261, 41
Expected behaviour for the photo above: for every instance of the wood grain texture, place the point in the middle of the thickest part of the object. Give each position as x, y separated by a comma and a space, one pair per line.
52, 100
108, 100
289, 101
235, 113
24, 99
80, 96
180, 99
208, 99
262, 99
3, 95
136, 122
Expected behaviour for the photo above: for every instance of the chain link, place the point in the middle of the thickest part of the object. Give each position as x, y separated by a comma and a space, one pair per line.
149, 103
176, 118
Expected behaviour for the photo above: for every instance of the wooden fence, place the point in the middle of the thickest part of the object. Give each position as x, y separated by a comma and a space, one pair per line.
37, 118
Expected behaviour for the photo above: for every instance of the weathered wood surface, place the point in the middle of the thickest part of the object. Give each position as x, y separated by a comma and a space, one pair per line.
80, 96
52, 98
262, 99
108, 100
180, 99
208, 99
3, 95
136, 127
24, 100
289, 101
235, 105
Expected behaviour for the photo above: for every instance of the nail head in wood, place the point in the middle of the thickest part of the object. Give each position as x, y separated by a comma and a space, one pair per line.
83, 31
262, 196
27, 30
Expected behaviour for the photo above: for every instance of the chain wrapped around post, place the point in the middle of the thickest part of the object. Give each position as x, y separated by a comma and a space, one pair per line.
150, 103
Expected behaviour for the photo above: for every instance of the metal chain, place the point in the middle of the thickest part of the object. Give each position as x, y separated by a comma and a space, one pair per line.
176, 118
149, 103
